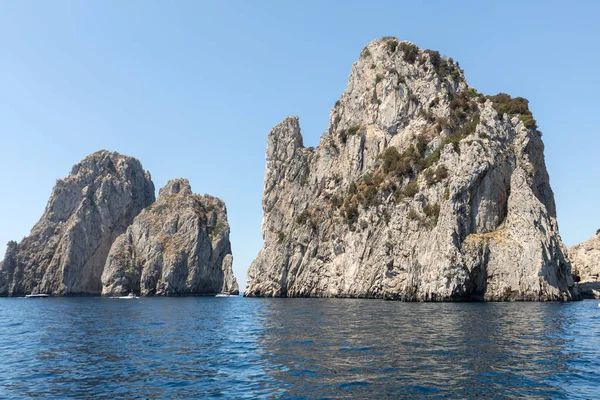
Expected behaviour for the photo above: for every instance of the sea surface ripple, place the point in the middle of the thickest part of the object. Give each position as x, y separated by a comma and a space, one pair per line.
204, 347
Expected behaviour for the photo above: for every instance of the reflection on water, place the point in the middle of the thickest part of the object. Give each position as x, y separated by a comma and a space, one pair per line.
448, 349
296, 348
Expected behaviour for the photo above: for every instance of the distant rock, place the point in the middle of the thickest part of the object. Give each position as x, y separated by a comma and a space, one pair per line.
420, 189
66, 250
585, 258
178, 246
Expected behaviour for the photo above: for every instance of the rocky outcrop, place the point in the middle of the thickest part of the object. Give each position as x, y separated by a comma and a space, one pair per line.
178, 246
585, 258
66, 250
420, 189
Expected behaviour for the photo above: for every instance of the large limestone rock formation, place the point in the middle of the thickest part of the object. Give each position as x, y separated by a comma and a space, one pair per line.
66, 250
420, 189
585, 258
178, 246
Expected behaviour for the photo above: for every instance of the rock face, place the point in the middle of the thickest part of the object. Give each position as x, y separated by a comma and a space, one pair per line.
66, 250
178, 246
585, 258
420, 189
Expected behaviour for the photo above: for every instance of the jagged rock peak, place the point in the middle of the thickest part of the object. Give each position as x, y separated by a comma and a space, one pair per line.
66, 249
176, 186
177, 246
421, 188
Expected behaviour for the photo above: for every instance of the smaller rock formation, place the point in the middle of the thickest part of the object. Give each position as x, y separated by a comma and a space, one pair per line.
177, 246
66, 250
585, 259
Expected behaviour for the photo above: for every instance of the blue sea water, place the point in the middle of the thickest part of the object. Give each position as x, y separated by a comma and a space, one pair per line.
201, 347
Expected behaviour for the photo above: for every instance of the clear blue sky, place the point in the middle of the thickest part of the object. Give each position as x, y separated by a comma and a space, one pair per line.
191, 88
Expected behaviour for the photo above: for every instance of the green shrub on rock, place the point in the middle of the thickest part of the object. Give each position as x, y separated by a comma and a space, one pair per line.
409, 52
411, 189
504, 104
433, 213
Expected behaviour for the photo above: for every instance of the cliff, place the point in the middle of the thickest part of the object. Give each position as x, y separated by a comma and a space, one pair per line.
67, 248
420, 189
585, 258
178, 246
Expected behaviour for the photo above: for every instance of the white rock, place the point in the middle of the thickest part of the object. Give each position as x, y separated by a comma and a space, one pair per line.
178, 246
67, 248
496, 236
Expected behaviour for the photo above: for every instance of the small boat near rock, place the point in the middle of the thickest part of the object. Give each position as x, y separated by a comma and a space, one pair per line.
36, 295
224, 295
129, 296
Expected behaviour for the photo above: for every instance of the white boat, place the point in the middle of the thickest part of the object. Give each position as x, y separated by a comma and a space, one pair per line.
224, 295
36, 295
129, 296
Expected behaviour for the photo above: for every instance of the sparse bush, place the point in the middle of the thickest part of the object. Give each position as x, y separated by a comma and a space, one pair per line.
433, 213
352, 189
369, 196
159, 209
392, 44
398, 196
353, 130
453, 139
504, 104
433, 158
428, 115
378, 78
391, 159
280, 237
421, 145
365, 53
336, 201
345, 133
413, 214
469, 127
433, 176
351, 214
409, 52
442, 66
434, 57
443, 123
411, 189
377, 179
470, 93
528, 121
